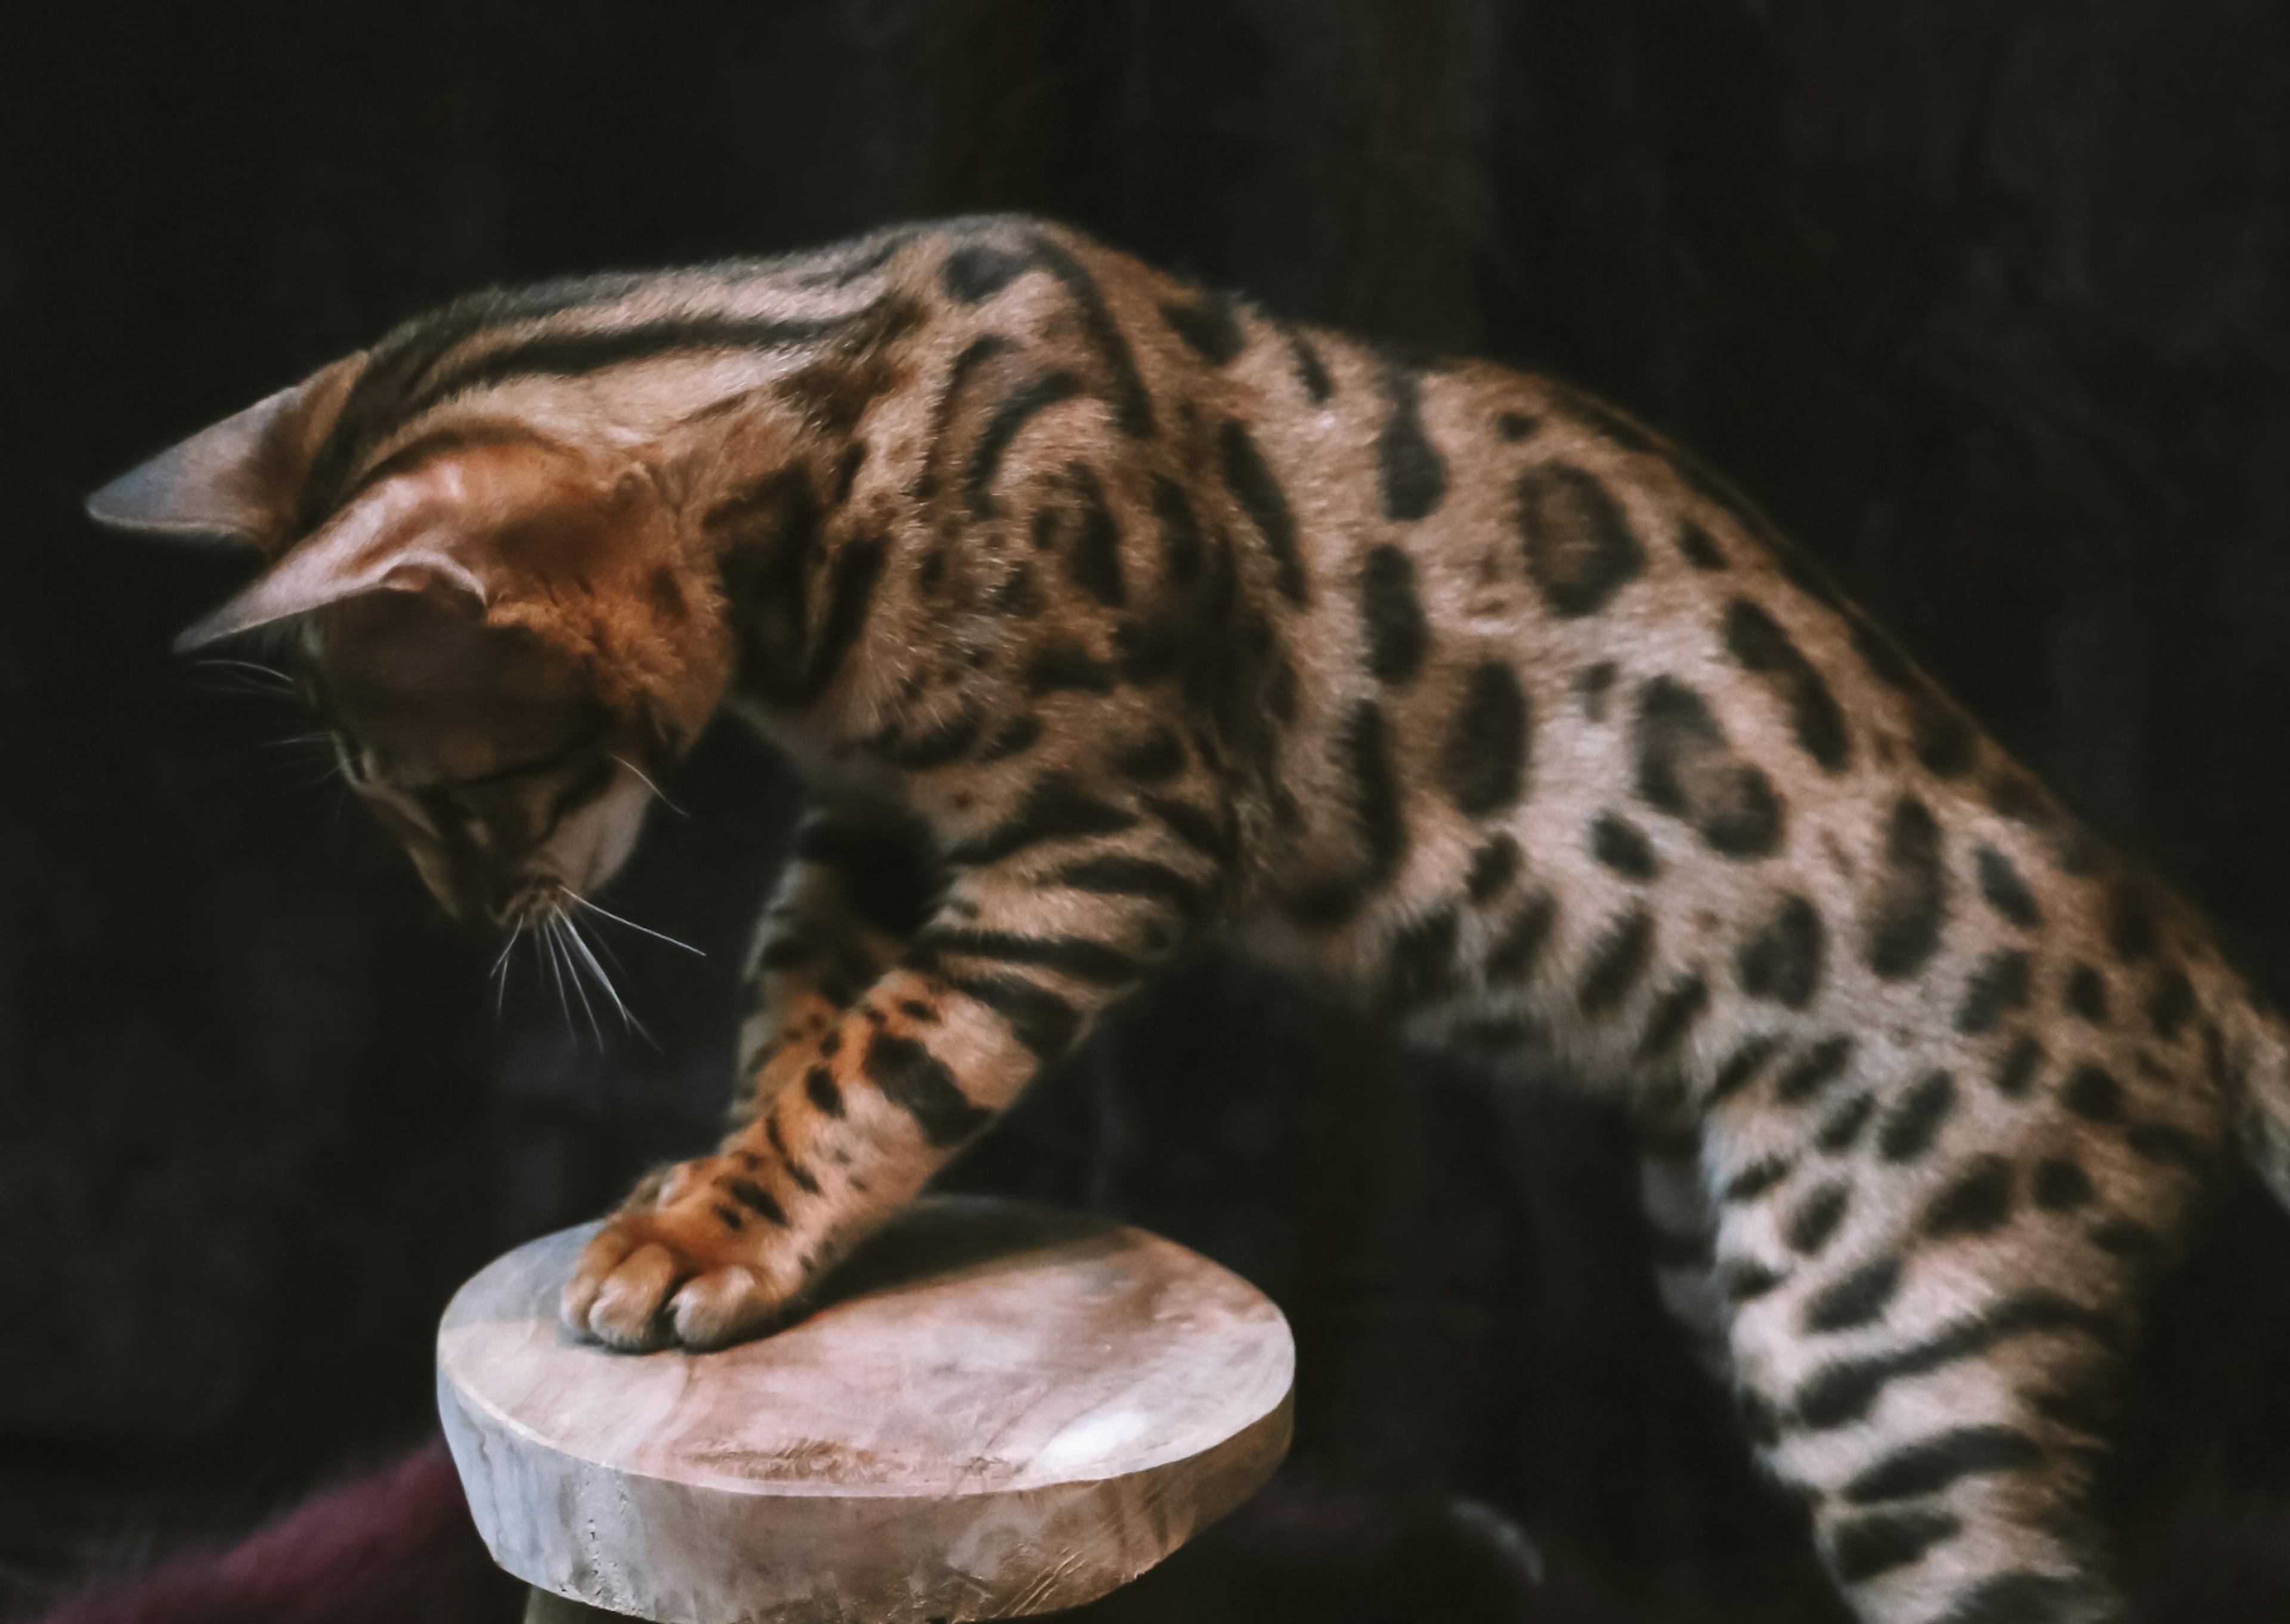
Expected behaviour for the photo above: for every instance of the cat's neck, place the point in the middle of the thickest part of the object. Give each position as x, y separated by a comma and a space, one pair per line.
808, 525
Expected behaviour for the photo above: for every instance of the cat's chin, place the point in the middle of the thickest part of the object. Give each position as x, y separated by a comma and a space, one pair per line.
590, 851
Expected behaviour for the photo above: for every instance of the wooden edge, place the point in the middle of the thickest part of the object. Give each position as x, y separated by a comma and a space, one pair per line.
724, 1544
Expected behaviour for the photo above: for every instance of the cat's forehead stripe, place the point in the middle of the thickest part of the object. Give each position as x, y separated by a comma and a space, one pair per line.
577, 328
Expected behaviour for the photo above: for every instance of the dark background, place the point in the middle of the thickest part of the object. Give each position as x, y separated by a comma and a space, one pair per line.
1988, 302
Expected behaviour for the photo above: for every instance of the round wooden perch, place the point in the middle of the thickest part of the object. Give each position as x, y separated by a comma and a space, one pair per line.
995, 1410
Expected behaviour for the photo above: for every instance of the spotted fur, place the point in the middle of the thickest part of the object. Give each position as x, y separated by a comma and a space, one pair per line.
1103, 613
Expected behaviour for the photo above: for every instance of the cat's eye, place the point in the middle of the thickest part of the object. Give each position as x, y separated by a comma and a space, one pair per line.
532, 767
581, 790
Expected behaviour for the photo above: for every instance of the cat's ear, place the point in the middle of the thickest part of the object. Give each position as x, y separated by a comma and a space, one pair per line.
464, 521
240, 479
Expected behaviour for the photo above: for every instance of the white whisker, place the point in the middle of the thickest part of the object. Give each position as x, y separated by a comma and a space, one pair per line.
547, 947
572, 979
239, 687
580, 942
573, 969
645, 780
332, 771
605, 950
499, 975
595, 907
251, 668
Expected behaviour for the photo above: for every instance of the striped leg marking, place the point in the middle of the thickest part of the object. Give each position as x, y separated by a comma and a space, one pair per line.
1014, 962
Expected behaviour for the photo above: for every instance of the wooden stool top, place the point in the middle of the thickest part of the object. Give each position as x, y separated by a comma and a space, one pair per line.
995, 1410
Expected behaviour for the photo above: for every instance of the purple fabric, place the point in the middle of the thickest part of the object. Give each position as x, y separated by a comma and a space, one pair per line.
393, 1546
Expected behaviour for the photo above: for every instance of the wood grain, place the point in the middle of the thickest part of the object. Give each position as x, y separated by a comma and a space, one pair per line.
996, 1410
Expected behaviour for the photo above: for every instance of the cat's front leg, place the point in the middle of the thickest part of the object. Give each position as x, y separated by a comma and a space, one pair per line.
858, 885
1036, 932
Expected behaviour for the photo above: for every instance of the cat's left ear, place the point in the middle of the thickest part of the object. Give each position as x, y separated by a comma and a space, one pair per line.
489, 521
240, 479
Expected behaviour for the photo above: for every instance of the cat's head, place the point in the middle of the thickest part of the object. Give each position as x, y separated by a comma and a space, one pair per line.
504, 623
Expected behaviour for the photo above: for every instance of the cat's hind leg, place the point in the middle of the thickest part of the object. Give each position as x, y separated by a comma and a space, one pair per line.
1929, 1376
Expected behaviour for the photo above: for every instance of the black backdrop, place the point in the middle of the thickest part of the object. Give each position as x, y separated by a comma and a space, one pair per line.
1990, 303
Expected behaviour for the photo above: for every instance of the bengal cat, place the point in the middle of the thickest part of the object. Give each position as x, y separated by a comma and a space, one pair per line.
1103, 612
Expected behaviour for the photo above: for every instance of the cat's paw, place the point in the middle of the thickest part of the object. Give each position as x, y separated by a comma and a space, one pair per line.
685, 1262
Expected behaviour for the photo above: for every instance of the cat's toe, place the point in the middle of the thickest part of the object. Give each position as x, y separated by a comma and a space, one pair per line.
722, 1307
598, 1259
624, 1307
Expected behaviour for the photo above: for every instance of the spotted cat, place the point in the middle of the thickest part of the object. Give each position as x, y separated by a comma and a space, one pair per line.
1103, 612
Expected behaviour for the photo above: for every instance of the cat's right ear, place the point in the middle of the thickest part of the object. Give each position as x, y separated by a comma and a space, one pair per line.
240, 479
